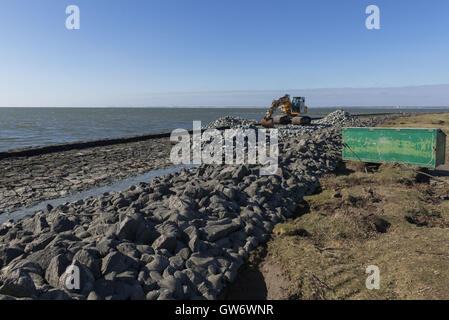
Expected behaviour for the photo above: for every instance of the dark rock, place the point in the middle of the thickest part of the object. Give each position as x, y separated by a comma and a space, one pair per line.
214, 232
169, 271
152, 295
200, 262
49, 207
158, 264
196, 245
177, 262
146, 233
240, 173
91, 259
25, 265
165, 294
40, 243
121, 203
216, 282
127, 228
184, 253
167, 242
104, 288
18, 284
58, 265
106, 246
173, 285
118, 262
41, 224
129, 249
93, 296
9, 253
127, 276
54, 294
145, 249
61, 224
147, 283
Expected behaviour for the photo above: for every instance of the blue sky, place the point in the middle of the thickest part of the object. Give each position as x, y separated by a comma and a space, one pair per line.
140, 52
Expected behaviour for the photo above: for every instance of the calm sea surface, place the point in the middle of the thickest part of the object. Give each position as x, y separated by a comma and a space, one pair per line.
26, 127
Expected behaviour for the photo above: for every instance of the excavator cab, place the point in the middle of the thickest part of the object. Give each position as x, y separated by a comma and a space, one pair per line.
298, 105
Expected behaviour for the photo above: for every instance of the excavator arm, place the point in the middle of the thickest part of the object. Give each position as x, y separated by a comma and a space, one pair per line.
267, 121
284, 101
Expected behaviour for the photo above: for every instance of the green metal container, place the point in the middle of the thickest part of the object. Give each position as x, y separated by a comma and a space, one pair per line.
418, 147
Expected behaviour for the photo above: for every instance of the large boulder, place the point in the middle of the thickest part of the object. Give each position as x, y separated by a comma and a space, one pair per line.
18, 284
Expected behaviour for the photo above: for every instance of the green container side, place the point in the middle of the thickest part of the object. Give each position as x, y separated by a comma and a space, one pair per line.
441, 147
409, 146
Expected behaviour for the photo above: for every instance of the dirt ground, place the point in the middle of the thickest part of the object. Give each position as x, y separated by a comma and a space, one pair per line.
362, 215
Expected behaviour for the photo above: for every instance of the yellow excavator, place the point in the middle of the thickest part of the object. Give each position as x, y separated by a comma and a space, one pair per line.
290, 112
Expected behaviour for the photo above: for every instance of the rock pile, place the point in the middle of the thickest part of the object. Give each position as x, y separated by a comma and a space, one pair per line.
292, 130
232, 122
339, 118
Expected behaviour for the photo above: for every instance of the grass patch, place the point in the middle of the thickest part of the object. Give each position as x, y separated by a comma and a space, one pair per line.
362, 216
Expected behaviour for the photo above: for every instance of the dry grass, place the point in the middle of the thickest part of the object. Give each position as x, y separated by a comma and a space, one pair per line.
365, 216
340, 237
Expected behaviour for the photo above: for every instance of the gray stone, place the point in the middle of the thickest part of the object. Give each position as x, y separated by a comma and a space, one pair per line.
61, 224
9, 253
177, 262
129, 249
93, 296
167, 242
184, 253
152, 295
146, 233
18, 284
173, 285
118, 262
91, 259
54, 294
56, 268
197, 245
41, 224
158, 264
147, 283
214, 232
106, 246
240, 173
127, 228
104, 288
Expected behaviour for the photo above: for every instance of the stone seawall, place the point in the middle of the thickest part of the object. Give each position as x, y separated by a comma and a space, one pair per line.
182, 236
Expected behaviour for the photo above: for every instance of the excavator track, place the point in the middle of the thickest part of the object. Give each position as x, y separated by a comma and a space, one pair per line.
301, 120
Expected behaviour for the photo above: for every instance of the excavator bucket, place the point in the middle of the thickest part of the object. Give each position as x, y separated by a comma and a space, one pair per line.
267, 123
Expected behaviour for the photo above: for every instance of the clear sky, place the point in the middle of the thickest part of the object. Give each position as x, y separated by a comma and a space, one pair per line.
129, 51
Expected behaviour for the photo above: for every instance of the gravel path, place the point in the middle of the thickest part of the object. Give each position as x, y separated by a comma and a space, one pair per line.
182, 236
